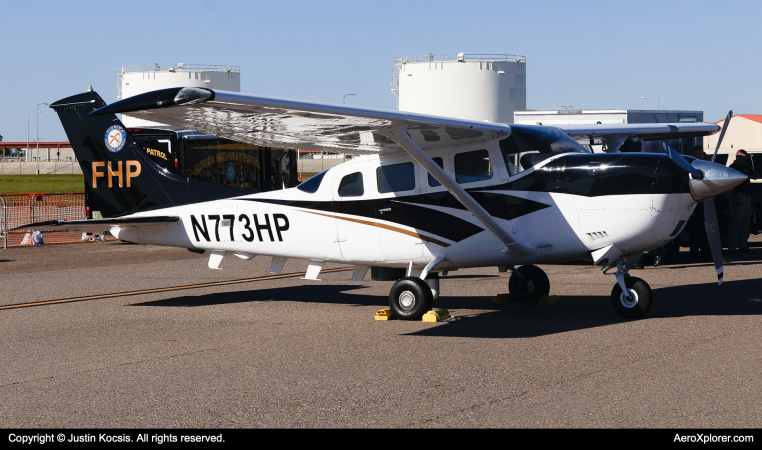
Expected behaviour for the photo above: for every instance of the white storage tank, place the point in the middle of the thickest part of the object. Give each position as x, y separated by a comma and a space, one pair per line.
464, 86
133, 80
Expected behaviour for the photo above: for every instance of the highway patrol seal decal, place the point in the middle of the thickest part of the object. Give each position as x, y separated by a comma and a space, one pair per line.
115, 138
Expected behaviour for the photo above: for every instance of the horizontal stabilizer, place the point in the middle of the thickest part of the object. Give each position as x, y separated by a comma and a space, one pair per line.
97, 225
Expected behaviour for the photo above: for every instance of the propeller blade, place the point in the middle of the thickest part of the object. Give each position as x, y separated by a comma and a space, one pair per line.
722, 133
713, 235
680, 161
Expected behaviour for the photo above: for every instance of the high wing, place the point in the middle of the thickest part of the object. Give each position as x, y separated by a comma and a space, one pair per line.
97, 225
277, 122
615, 135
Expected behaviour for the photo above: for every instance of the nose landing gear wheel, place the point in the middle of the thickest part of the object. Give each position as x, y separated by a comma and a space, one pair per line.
636, 302
410, 298
534, 285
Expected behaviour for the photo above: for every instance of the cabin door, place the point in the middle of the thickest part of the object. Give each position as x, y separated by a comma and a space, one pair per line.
355, 225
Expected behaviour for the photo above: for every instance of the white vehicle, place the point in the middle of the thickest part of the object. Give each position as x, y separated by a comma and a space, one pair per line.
431, 194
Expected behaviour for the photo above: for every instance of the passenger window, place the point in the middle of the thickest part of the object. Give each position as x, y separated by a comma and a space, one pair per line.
433, 181
351, 185
472, 166
395, 177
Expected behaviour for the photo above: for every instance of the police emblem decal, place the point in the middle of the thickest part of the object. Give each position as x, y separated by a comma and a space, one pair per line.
231, 171
115, 138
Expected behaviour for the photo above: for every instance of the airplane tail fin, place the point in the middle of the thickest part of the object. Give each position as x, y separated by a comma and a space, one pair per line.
120, 179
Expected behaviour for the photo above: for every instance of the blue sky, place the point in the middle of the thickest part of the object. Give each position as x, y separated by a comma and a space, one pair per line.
590, 54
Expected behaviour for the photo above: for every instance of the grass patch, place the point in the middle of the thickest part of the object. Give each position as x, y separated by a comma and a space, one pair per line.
307, 175
52, 184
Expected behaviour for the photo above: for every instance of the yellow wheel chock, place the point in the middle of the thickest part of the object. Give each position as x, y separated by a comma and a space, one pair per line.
435, 315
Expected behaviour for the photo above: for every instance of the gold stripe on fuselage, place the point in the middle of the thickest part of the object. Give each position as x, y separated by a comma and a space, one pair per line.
386, 227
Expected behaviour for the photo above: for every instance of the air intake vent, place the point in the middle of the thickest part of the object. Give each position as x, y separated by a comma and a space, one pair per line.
677, 229
597, 235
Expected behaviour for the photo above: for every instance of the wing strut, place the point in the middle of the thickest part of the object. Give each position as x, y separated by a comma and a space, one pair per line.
399, 135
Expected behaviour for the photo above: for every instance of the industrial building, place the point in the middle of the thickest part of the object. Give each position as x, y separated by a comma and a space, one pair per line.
20, 158
27, 151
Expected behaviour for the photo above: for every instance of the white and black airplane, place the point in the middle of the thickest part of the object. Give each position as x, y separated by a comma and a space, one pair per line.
431, 194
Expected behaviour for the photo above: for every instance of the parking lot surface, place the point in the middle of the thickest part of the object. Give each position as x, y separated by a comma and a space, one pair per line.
287, 352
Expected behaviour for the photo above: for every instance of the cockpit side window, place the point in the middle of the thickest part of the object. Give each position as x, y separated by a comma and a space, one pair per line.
351, 185
311, 186
528, 145
472, 166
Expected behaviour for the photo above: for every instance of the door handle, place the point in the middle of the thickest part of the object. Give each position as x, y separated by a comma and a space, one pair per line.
385, 210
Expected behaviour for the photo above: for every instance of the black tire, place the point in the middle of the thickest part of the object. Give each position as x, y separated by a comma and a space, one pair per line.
410, 298
640, 300
534, 285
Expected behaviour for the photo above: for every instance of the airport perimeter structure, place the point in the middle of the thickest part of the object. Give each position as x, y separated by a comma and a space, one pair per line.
21, 209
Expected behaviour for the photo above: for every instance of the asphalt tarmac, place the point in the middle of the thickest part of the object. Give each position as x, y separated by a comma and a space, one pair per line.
288, 352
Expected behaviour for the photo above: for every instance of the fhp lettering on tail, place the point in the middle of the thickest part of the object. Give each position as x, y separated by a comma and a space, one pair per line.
132, 170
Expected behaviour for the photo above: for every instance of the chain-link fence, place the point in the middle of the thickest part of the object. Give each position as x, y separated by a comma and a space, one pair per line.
23, 209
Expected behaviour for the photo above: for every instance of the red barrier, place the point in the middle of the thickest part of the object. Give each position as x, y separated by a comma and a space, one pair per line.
23, 209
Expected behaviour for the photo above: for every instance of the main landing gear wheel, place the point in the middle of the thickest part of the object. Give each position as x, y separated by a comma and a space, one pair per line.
534, 285
410, 298
638, 300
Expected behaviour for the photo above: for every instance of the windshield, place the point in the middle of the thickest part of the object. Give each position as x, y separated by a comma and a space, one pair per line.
529, 144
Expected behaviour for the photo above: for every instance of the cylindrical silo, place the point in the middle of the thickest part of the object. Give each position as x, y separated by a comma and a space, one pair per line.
463, 86
133, 80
